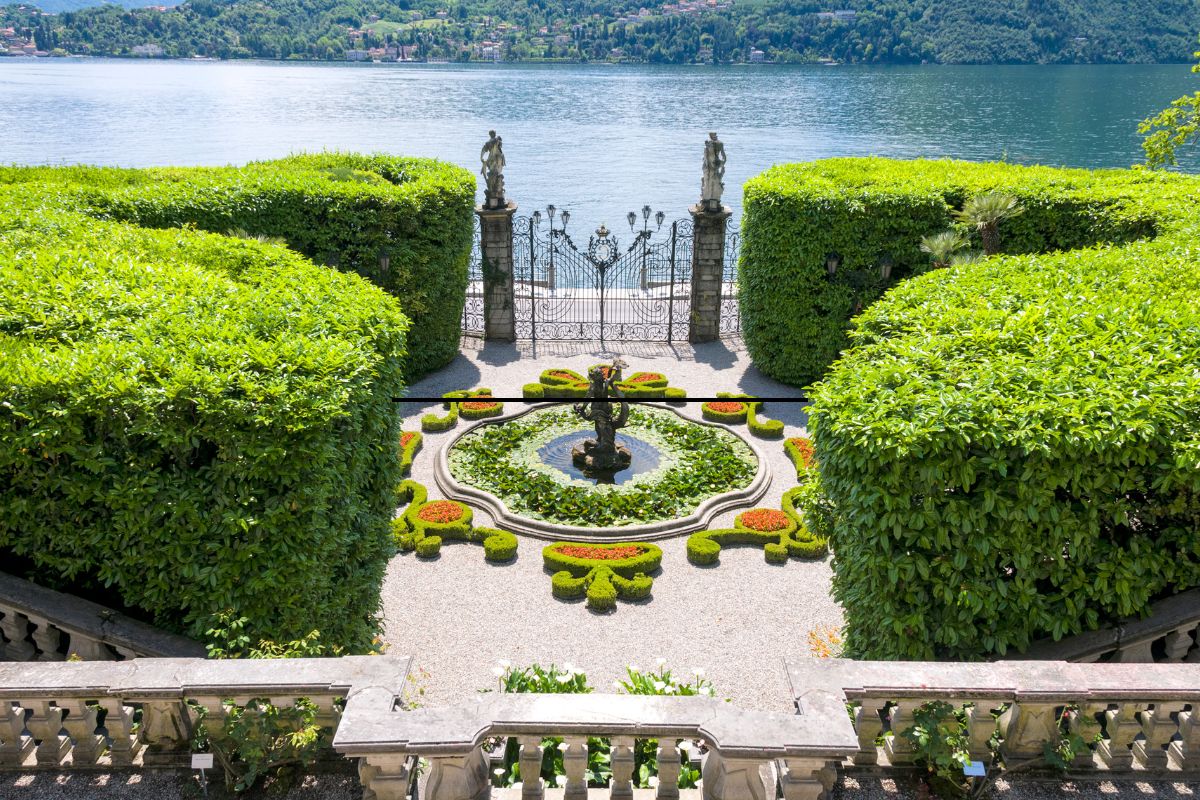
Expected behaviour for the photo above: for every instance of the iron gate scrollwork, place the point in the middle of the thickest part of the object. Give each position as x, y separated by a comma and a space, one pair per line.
472, 316
602, 290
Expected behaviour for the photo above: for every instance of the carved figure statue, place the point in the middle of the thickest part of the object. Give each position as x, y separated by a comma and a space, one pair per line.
712, 180
603, 456
492, 159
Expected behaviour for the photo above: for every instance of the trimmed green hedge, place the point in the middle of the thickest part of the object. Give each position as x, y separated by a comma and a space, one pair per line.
570, 385
1011, 450
795, 319
339, 209
432, 423
795, 540
410, 532
196, 422
763, 428
409, 449
601, 581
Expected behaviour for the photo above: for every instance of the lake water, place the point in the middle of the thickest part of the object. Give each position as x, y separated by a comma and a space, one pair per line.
599, 140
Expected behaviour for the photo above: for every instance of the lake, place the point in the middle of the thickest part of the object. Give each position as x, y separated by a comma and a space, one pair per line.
599, 140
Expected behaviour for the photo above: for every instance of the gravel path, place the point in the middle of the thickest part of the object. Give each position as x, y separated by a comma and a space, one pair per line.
458, 614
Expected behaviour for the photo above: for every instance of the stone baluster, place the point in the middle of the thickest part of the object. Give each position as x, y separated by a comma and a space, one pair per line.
806, 779
622, 768
329, 713
14, 746
462, 777
899, 750
575, 759
80, 724
980, 727
1159, 728
118, 722
742, 779
868, 725
1141, 652
1187, 748
1179, 642
17, 646
47, 637
165, 733
1122, 727
1029, 725
87, 647
530, 761
669, 767
1082, 722
214, 716
45, 725
387, 776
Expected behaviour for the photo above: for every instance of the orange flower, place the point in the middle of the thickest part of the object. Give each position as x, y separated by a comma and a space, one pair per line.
440, 511
765, 519
804, 447
726, 408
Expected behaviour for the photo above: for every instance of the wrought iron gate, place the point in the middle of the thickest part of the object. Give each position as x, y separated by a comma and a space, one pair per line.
603, 289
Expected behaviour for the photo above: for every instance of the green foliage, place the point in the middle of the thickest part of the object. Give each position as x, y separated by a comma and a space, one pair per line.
560, 383
411, 532
257, 739
883, 31
194, 421
799, 451
497, 459
795, 540
940, 741
1010, 449
985, 212
455, 407
408, 449
647, 561
1176, 126
662, 682
942, 247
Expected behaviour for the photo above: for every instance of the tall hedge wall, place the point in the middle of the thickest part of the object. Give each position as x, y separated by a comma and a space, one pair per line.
1011, 449
342, 210
795, 319
203, 422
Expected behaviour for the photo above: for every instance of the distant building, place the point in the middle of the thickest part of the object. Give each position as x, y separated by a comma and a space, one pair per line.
844, 15
357, 55
148, 51
757, 56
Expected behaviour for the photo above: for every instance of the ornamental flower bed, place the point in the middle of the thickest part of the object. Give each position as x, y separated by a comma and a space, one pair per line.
647, 377
406, 437
440, 511
726, 408
803, 449
600, 553
765, 519
476, 405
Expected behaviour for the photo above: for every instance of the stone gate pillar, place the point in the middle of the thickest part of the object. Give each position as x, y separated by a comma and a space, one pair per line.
496, 251
708, 266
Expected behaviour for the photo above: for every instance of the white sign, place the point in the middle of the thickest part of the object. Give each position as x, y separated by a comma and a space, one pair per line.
202, 760
974, 769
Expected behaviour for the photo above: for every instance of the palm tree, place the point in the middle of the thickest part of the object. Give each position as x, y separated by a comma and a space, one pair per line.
941, 247
985, 212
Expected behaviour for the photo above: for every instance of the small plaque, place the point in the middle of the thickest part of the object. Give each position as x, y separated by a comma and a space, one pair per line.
974, 769
202, 760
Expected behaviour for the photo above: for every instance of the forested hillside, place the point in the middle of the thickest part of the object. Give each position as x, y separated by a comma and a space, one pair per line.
675, 31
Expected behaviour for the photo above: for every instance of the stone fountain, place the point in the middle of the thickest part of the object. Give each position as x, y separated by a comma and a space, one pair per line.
602, 457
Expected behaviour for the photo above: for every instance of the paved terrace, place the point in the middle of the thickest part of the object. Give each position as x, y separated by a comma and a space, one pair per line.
459, 614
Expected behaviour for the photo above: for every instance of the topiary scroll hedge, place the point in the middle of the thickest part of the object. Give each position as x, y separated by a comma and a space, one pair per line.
1011, 448
204, 422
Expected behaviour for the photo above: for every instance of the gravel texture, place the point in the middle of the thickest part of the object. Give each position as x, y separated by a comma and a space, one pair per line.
458, 615
158, 784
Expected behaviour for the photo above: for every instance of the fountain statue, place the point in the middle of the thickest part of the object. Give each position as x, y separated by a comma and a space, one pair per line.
492, 159
603, 456
712, 179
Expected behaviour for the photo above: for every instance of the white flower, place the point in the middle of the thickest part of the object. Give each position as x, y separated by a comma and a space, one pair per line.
618, 685
561, 780
569, 667
563, 746
498, 772
634, 668
653, 781
504, 663
564, 678
685, 745
498, 671
659, 686
661, 662
698, 672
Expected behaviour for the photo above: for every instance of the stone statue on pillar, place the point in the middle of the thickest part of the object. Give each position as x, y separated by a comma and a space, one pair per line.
712, 179
492, 158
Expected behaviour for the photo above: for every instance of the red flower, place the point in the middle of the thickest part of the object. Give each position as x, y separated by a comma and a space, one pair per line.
558, 373
646, 377
726, 408
804, 448
475, 405
600, 553
765, 519
405, 438
440, 511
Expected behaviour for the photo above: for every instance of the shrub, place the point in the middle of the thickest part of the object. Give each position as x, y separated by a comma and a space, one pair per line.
795, 318
601, 579
647, 559
738, 408
560, 383
424, 526
410, 444
759, 527
727, 412
458, 402
800, 450
179, 405
1009, 451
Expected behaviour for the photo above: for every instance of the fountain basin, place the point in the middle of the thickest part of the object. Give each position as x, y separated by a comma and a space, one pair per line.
524, 476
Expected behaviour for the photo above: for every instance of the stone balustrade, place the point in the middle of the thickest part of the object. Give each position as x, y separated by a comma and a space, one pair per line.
81, 714
1170, 633
1142, 716
39, 624
1138, 719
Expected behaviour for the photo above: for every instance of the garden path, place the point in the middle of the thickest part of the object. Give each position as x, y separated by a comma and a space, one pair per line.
458, 614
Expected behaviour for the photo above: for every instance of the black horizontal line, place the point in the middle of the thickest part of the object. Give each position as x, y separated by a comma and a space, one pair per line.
564, 400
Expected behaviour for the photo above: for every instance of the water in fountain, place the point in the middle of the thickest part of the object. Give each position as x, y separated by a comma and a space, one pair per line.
557, 454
